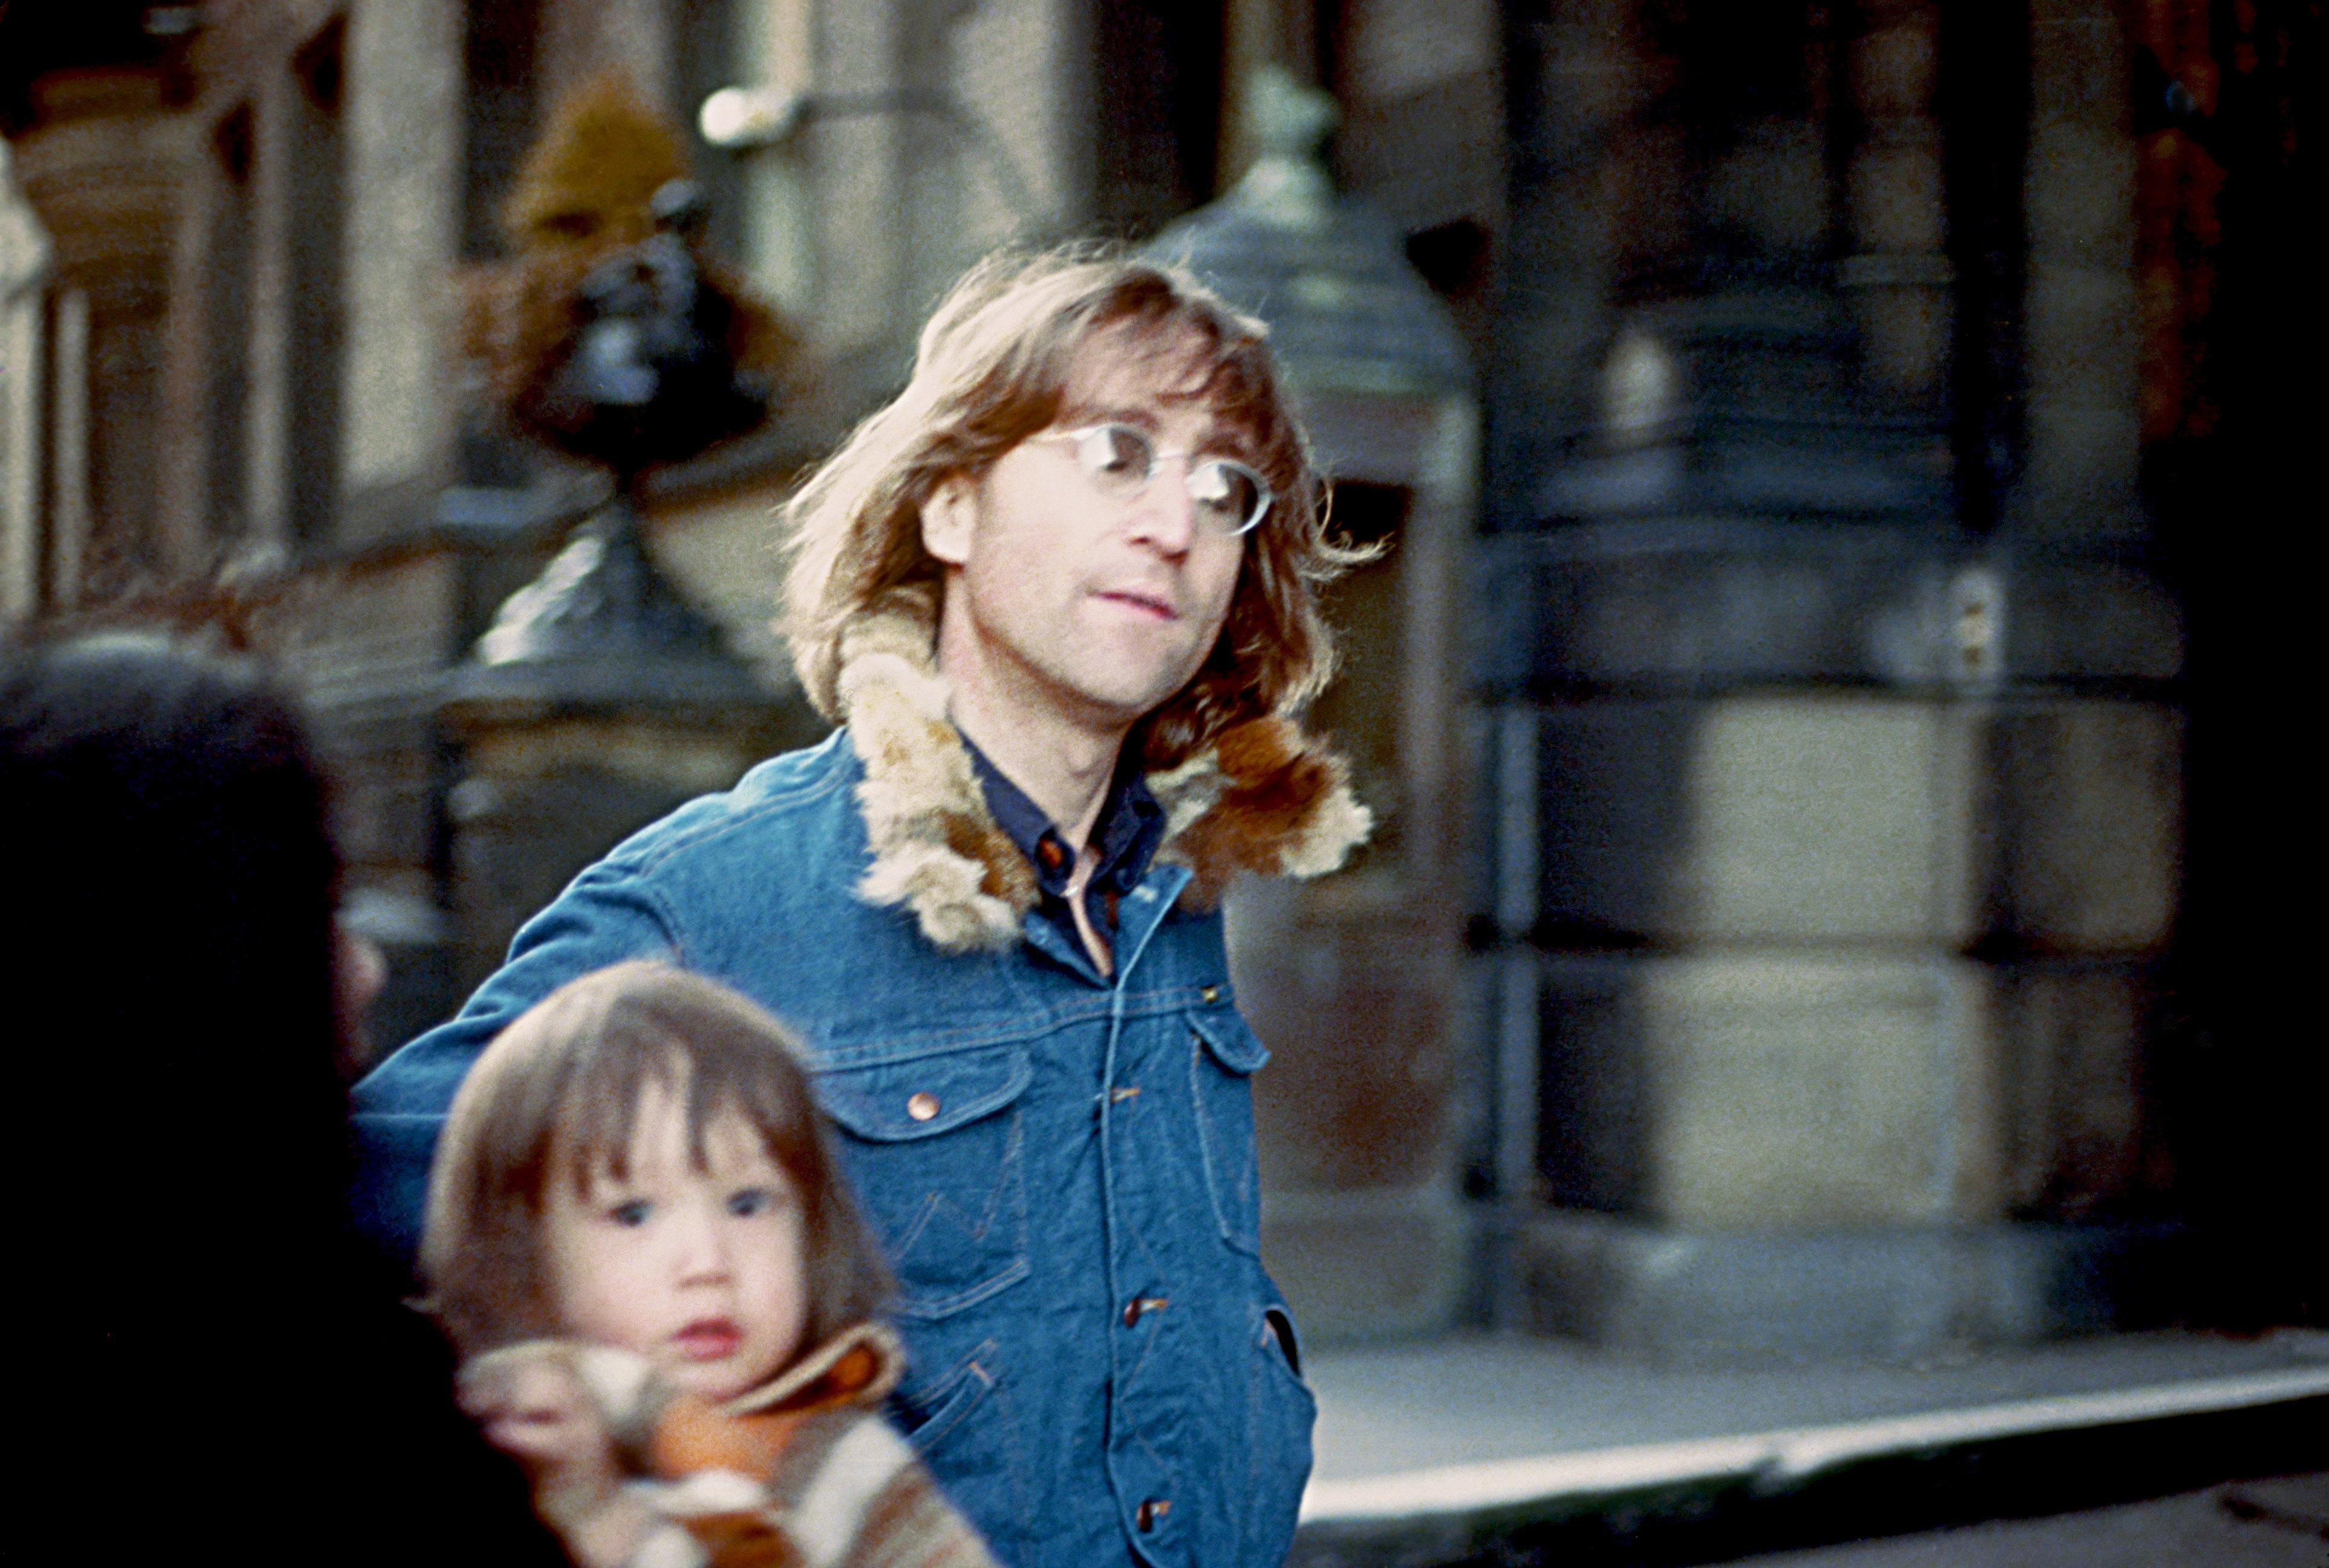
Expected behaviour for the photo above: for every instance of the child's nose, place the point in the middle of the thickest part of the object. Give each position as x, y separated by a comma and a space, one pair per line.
700, 1244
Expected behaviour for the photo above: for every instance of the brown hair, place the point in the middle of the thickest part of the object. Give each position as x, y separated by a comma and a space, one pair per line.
991, 370
555, 1096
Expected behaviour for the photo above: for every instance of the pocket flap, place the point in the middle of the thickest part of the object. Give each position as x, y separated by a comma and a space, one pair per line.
1235, 1046
894, 1101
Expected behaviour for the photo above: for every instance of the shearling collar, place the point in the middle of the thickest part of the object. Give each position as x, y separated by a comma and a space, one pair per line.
1261, 798
858, 1365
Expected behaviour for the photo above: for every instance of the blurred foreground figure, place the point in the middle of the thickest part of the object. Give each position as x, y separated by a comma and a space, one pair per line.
215, 1365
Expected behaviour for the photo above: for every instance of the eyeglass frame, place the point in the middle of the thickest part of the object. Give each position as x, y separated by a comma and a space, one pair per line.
1266, 496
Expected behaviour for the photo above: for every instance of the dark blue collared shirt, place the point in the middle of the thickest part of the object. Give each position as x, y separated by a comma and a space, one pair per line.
1130, 827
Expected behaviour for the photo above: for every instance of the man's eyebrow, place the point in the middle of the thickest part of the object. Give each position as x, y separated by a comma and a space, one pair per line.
1100, 413
1221, 435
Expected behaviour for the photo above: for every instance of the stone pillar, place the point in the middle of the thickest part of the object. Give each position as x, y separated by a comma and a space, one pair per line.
2081, 335
860, 175
23, 267
1898, 273
775, 49
403, 223
598, 701
105, 167
581, 38
1809, 976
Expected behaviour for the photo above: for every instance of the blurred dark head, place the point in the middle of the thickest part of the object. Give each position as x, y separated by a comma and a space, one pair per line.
180, 1125
170, 981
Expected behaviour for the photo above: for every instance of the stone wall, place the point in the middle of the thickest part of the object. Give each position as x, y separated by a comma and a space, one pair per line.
1839, 833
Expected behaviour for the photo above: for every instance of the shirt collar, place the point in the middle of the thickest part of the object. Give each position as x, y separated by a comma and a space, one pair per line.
1130, 827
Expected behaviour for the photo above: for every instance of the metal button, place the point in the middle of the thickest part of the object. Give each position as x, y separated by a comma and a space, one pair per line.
1210, 993
1153, 1509
922, 1105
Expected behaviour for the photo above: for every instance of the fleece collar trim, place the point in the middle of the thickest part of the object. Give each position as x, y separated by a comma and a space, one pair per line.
1261, 798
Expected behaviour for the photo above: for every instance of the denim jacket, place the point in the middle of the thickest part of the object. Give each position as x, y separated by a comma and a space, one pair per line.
1060, 1164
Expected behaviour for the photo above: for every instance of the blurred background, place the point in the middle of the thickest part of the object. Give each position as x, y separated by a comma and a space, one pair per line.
1834, 700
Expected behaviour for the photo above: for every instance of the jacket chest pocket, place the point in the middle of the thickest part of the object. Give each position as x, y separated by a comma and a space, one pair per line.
1223, 1055
934, 1146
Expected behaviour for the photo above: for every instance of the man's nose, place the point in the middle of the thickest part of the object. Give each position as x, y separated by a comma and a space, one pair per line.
1162, 515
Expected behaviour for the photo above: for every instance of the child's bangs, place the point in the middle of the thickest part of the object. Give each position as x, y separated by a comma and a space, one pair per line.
680, 1036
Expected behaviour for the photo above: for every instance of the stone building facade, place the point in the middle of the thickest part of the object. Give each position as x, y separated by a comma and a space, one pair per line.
1828, 718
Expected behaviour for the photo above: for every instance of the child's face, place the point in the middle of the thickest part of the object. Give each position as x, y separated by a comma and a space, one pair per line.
697, 1270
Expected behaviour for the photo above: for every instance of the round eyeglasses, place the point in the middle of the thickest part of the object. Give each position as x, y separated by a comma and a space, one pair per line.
1120, 461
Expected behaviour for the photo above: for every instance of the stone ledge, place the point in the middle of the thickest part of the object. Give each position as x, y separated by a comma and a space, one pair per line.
1884, 1294
1705, 603
1716, 1499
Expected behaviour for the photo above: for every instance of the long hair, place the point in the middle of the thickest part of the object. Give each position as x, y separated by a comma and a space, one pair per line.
991, 368
557, 1094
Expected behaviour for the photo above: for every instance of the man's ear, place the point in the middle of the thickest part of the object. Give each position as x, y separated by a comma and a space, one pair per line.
947, 519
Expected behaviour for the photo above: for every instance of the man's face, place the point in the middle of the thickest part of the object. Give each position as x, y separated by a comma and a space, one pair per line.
1059, 596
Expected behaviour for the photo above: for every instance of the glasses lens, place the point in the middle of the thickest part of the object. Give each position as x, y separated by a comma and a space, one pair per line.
1227, 496
1118, 459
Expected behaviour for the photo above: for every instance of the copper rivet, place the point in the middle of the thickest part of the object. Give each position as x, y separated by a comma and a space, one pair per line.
1131, 1313
1210, 993
922, 1105
1153, 1509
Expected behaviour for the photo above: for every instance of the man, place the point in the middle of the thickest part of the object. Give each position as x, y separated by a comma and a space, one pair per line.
1060, 592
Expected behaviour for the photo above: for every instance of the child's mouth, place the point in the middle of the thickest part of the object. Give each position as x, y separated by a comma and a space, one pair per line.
708, 1339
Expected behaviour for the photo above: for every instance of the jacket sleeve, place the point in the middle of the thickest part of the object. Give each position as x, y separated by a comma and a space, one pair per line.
606, 915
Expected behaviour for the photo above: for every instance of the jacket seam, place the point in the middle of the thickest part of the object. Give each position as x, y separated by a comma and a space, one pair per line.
1162, 1003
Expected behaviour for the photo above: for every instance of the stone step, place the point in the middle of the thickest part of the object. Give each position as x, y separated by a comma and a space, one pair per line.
1939, 1447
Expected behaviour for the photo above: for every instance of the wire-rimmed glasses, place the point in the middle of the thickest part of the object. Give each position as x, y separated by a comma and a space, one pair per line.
1121, 460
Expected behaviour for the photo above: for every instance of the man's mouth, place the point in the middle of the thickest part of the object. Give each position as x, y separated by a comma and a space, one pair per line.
708, 1339
1144, 601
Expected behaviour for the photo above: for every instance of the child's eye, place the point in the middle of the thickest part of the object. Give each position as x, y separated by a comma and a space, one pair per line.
631, 1211
750, 1201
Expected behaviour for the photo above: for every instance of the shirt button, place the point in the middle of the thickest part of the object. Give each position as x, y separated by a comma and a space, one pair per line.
1153, 1509
922, 1105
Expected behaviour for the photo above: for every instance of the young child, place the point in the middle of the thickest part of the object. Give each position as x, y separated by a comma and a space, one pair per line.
637, 1236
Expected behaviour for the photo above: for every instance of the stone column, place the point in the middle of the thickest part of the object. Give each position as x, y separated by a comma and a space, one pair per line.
581, 38
2085, 833
860, 177
105, 167
1898, 273
403, 220
598, 701
1807, 962
23, 267
2084, 423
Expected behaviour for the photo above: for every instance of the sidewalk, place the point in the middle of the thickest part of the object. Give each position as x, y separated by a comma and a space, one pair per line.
1485, 1449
